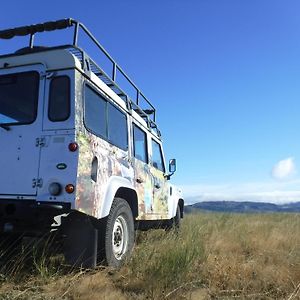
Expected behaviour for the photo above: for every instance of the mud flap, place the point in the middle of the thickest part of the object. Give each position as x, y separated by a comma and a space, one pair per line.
80, 241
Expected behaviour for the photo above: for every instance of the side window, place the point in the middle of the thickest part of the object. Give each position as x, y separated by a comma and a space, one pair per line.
104, 119
59, 99
117, 127
95, 112
140, 144
157, 158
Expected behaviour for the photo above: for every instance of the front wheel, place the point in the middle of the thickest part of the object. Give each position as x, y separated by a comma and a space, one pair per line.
174, 223
119, 233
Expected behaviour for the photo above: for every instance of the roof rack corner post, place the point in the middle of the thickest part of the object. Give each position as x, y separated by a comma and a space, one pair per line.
129, 105
137, 96
76, 31
31, 40
114, 71
148, 122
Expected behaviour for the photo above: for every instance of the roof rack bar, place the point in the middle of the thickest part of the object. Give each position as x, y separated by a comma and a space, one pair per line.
116, 67
32, 29
111, 79
90, 35
128, 79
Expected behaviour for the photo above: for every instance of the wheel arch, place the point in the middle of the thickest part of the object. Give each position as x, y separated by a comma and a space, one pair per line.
130, 196
122, 188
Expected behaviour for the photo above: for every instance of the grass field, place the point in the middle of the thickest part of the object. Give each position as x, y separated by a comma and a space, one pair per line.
214, 256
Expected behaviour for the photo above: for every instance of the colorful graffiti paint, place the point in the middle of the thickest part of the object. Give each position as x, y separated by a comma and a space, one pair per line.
148, 182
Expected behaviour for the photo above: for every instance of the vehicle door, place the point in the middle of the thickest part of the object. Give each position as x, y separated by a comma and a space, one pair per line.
21, 110
160, 186
142, 176
58, 163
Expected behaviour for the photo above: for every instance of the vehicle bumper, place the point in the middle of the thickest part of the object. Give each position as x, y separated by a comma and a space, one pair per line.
29, 217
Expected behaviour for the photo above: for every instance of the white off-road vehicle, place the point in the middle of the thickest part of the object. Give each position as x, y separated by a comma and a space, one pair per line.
78, 156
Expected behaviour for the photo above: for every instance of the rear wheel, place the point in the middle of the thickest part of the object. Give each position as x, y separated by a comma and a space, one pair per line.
118, 236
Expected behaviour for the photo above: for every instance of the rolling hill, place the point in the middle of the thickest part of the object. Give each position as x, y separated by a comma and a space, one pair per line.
242, 207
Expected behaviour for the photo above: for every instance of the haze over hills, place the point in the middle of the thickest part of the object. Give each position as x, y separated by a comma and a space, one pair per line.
242, 207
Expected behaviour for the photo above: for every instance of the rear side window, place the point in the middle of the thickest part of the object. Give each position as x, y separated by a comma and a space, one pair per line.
59, 99
117, 127
104, 119
95, 112
140, 144
157, 158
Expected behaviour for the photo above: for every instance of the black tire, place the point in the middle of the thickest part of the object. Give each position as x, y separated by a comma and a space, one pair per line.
177, 218
118, 234
174, 223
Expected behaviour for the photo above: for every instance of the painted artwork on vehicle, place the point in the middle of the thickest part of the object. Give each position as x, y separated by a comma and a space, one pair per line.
106, 160
90, 192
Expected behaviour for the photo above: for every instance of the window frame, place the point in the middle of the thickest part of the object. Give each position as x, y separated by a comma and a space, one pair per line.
84, 111
135, 125
108, 101
108, 125
161, 155
68, 96
36, 100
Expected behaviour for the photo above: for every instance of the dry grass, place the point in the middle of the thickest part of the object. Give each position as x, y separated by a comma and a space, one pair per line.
214, 256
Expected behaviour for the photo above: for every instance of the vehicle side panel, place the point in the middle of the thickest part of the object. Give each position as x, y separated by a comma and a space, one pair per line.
115, 168
98, 162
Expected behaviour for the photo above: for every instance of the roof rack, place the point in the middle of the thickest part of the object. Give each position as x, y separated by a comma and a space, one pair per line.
148, 113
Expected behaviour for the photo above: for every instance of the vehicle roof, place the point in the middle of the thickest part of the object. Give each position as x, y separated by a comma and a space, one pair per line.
52, 59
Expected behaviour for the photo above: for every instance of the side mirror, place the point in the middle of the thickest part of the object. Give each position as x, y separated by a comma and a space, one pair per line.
172, 166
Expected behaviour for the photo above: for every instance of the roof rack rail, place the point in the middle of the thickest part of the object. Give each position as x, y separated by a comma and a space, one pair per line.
148, 113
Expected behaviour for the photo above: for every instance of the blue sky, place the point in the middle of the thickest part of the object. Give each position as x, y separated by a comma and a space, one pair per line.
224, 76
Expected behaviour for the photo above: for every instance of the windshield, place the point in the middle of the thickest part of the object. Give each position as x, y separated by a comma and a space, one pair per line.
19, 98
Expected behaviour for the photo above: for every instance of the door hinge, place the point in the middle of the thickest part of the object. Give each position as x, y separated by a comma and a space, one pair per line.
40, 142
47, 75
37, 182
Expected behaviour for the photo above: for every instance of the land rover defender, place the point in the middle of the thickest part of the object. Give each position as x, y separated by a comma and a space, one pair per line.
79, 157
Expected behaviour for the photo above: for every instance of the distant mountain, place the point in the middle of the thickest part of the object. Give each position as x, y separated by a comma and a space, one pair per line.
242, 207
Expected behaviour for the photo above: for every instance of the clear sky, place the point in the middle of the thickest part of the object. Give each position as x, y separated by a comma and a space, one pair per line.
224, 76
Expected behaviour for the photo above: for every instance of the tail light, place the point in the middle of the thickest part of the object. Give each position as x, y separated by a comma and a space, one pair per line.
73, 147
69, 188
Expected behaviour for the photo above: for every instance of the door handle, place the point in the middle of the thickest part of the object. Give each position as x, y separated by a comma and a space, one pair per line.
139, 180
